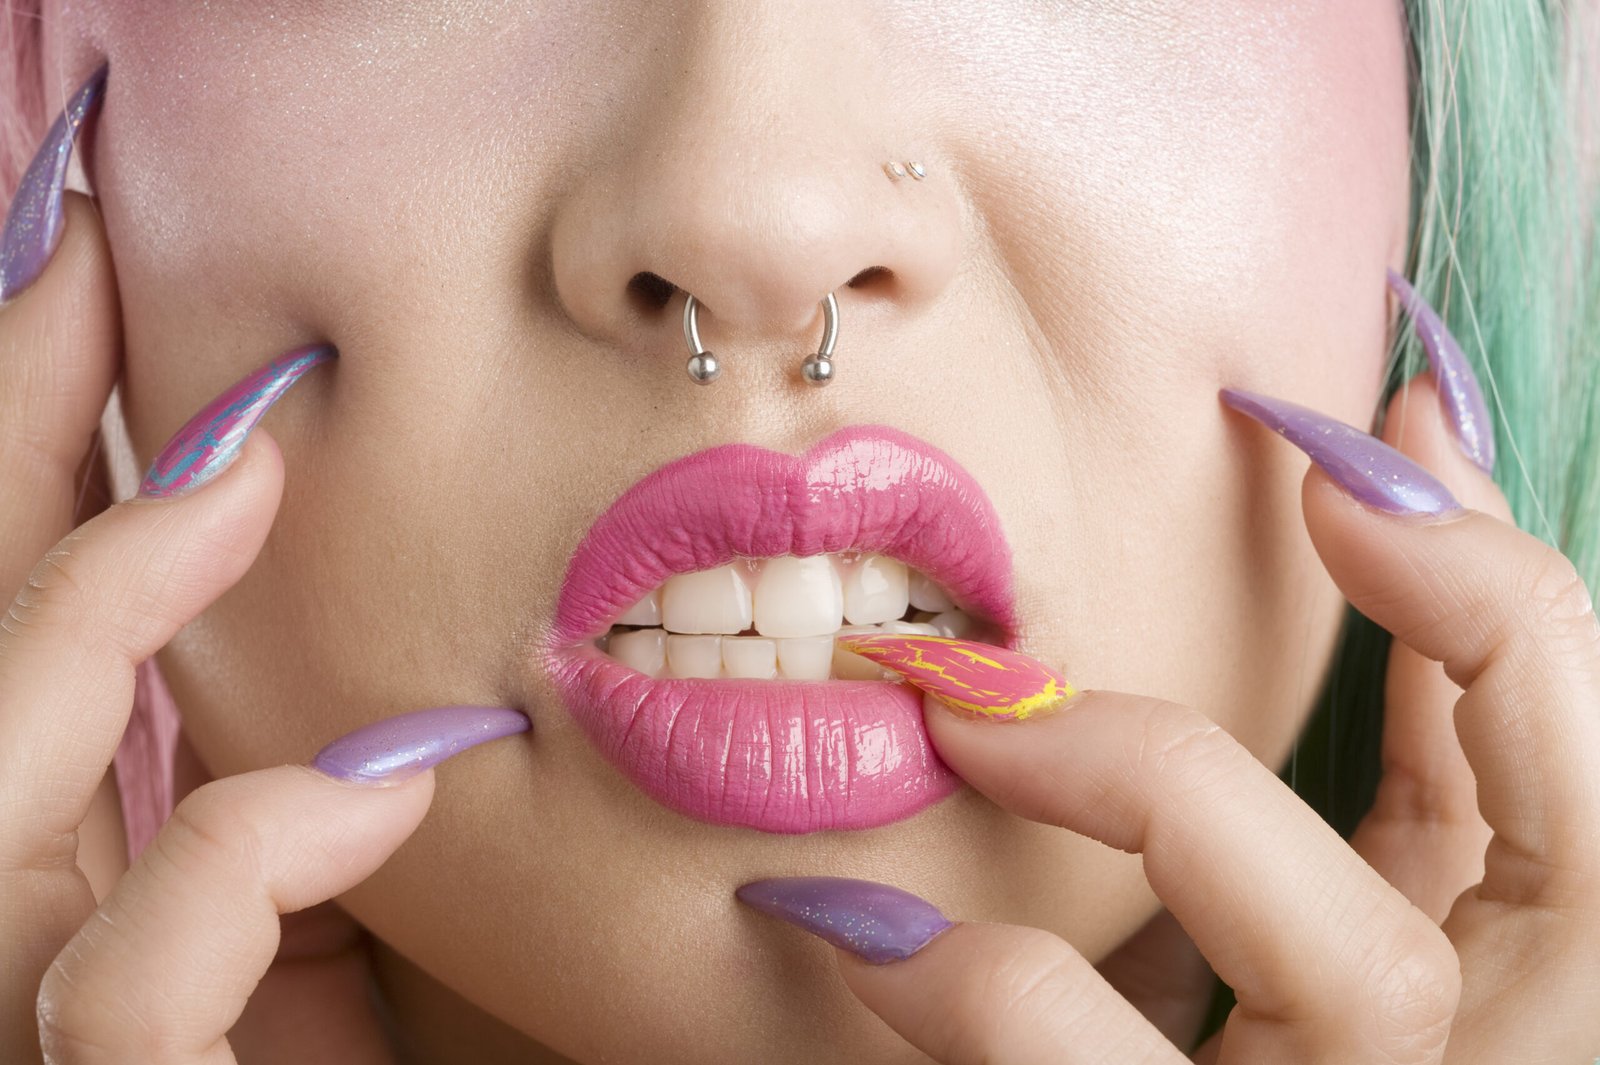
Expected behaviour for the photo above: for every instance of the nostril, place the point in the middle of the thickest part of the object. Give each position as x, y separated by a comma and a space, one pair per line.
872, 275
651, 290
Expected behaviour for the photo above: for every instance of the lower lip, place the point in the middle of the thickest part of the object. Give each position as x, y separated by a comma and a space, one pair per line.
774, 755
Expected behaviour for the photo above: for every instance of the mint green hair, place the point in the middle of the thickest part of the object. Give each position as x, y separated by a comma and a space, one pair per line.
1503, 244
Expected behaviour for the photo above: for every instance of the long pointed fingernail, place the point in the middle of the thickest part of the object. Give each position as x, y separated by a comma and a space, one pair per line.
211, 439
34, 221
1459, 393
1366, 467
978, 678
876, 922
398, 748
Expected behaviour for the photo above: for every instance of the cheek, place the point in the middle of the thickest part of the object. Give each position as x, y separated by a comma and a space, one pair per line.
1185, 196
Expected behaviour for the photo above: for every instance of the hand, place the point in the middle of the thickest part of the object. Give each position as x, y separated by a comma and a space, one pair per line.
1463, 917
156, 962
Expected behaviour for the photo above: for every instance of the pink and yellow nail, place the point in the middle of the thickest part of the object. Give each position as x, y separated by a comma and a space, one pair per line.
977, 678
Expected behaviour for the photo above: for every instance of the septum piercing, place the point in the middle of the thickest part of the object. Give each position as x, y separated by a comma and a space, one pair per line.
816, 370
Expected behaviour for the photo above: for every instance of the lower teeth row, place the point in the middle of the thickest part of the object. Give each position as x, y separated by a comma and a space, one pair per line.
658, 653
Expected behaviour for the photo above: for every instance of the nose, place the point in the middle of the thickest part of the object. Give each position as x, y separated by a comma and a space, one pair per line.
753, 177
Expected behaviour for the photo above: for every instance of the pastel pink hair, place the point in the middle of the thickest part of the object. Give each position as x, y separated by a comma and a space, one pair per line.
144, 759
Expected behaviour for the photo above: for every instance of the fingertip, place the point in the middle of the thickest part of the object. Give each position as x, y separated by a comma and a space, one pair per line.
1417, 424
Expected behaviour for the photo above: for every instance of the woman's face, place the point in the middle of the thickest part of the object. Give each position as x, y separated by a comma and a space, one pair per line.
1128, 204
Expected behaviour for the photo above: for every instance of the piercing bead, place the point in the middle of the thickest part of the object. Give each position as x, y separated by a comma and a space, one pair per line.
817, 370
894, 170
704, 368
916, 170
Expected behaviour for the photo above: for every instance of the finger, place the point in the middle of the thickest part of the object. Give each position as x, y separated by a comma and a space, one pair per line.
1514, 625
60, 347
1324, 956
322, 958
164, 968
1424, 832
1166, 978
965, 993
104, 599
995, 994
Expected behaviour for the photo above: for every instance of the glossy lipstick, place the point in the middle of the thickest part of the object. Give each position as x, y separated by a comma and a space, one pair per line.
775, 755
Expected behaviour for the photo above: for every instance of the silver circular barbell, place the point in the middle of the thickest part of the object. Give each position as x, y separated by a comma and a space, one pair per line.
816, 370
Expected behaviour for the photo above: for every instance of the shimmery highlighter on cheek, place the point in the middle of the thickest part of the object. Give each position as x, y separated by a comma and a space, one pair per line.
977, 678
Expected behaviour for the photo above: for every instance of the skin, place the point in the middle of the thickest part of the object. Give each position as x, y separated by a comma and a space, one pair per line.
1164, 199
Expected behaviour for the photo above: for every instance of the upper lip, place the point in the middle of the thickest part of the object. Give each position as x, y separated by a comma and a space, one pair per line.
869, 488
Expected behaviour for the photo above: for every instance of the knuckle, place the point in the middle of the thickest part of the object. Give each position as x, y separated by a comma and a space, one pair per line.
82, 1012
1413, 988
53, 586
1181, 744
208, 831
1559, 600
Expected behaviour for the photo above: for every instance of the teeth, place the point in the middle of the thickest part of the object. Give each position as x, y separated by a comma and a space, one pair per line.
955, 624
805, 657
750, 656
925, 595
710, 601
762, 619
643, 649
645, 612
875, 590
797, 597
694, 656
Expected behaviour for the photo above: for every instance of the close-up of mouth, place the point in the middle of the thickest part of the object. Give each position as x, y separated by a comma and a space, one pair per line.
694, 639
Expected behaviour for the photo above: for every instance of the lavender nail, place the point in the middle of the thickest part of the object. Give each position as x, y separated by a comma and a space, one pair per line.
400, 747
34, 222
878, 922
211, 439
1459, 394
1363, 465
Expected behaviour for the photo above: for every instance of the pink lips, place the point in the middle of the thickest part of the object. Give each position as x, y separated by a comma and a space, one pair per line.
779, 756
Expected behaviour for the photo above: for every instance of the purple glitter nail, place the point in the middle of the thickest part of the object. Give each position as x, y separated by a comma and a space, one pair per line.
212, 438
400, 747
34, 221
1366, 467
1459, 394
875, 921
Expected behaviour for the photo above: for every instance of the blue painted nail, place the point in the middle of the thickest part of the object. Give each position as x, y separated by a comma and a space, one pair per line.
399, 747
1363, 465
34, 221
210, 440
876, 922
1459, 393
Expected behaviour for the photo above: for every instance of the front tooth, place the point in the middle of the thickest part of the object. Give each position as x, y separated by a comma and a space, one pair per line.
798, 597
694, 656
925, 595
750, 656
955, 624
805, 657
875, 591
646, 611
642, 649
710, 601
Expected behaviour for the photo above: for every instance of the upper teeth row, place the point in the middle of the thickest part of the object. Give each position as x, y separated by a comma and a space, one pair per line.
788, 596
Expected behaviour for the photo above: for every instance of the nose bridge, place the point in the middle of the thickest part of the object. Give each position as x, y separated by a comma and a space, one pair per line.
755, 181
